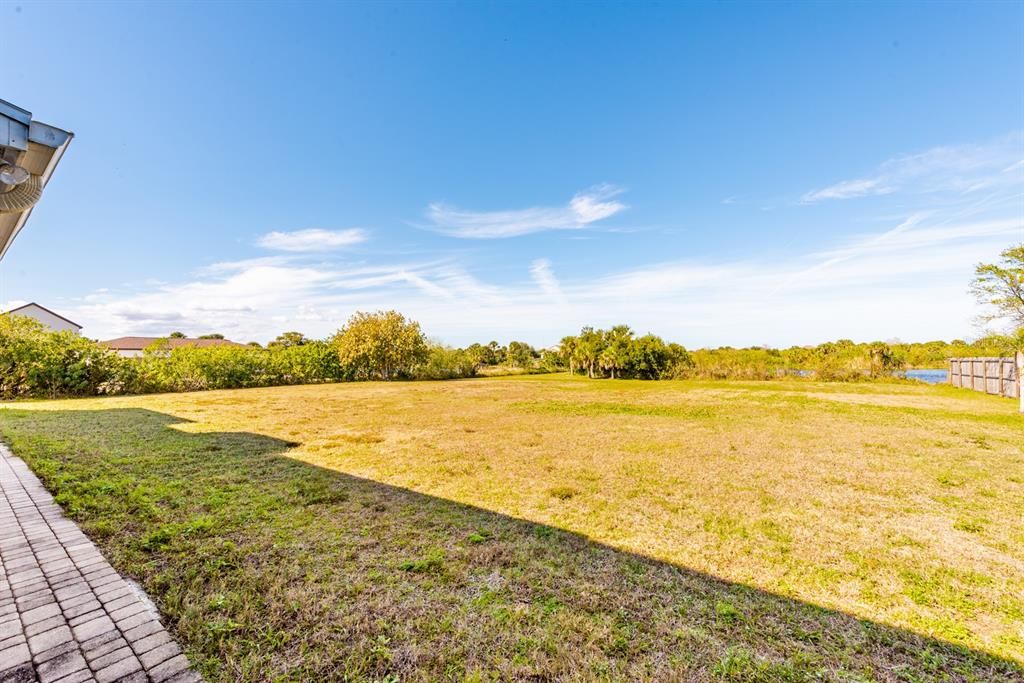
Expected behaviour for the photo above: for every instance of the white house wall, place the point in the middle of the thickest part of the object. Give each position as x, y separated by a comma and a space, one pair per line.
53, 322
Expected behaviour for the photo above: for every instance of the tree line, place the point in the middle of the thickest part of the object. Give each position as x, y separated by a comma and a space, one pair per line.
35, 362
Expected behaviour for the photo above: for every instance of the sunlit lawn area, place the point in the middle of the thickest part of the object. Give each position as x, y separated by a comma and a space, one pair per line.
548, 527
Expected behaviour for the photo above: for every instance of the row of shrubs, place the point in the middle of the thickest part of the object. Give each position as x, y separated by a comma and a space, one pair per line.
833, 361
37, 363
842, 360
618, 352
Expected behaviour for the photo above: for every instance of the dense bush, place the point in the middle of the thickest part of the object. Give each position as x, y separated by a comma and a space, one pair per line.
842, 360
728, 363
445, 362
190, 368
37, 363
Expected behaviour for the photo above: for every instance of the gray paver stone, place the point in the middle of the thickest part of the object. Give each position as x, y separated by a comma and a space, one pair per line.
118, 671
59, 667
172, 666
18, 674
159, 655
88, 629
44, 641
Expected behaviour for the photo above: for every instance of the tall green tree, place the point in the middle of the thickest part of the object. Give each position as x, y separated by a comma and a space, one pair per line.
288, 339
591, 344
652, 358
382, 345
519, 354
481, 355
1001, 286
567, 349
498, 351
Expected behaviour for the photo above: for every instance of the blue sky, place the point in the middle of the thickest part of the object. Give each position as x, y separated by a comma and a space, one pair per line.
715, 173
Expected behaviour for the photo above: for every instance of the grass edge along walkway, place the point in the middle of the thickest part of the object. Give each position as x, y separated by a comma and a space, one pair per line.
65, 613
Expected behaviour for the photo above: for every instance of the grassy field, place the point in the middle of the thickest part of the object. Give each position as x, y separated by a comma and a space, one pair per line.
546, 527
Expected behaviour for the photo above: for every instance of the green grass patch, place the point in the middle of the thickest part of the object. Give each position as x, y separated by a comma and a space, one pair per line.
601, 408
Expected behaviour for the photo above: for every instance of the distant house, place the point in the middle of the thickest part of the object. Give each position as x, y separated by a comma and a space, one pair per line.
52, 321
132, 347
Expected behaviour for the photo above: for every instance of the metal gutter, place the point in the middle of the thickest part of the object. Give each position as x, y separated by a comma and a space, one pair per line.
17, 134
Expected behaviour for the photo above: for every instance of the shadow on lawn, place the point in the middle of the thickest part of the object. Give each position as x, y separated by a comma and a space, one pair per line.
271, 568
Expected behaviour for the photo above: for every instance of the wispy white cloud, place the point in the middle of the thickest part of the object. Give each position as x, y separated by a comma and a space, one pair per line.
850, 188
909, 281
589, 206
544, 276
954, 168
313, 239
223, 267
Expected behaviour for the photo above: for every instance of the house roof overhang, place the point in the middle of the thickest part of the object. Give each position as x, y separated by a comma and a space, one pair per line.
37, 147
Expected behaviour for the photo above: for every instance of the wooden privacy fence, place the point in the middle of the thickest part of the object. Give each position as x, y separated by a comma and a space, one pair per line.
999, 376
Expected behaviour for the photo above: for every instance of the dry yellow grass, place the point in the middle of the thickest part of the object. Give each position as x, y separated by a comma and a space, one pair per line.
895, 503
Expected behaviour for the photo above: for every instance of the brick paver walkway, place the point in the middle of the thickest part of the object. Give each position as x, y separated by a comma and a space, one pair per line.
65, 614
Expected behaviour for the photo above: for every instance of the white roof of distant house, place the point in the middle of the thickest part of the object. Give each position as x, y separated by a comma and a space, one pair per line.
30, 305
140, 343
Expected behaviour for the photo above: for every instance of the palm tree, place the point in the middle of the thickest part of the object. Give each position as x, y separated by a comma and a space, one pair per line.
591, 345
567, 349
615, 355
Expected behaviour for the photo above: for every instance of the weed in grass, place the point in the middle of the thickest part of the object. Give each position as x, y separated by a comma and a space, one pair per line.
159, 538
167, 533
222, 628
774, 531
971, 526
217, 602
980, 442
318, 492
740, 665
364, 437
727, 612
725, 526
542, 531
595, 409
101, 528
563, 492
904, 541
549, 605
951, 479
433, 562
807, 636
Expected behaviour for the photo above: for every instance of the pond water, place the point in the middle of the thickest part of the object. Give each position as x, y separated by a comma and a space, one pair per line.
929, 376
